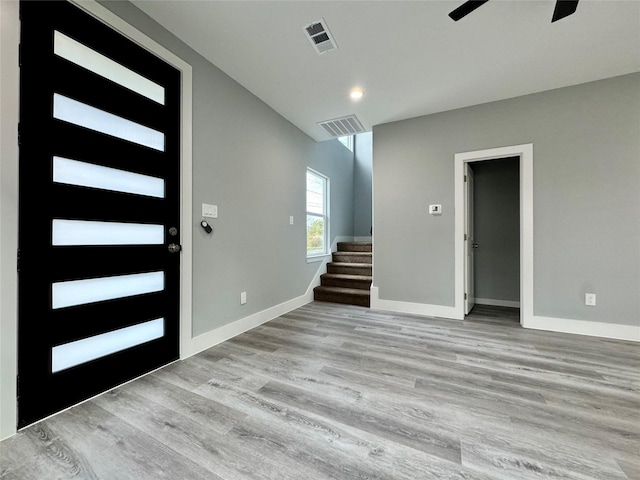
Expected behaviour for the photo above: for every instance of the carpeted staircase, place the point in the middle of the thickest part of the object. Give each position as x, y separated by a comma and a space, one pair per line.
348, 276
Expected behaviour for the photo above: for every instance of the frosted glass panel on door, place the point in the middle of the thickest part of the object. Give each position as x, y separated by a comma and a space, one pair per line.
81, 232
80, 292
84, 115
74, 172
85, 57
81, 351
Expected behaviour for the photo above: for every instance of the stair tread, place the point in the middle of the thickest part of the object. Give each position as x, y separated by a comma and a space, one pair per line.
344, 252
345, 247
347, 276
351, 257
350, 264
343, 290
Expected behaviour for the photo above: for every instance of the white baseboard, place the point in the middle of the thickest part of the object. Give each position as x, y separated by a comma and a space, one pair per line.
362, 239
497, 303
230, 330
583, 327
562, 325
412, 308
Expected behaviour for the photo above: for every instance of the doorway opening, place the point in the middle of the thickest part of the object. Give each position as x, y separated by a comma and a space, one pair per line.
493, 228
464, 252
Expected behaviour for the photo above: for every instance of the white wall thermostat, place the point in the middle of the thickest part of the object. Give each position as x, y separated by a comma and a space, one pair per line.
435, 209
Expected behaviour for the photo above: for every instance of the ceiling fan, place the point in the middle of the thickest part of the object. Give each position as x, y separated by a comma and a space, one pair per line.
564, 8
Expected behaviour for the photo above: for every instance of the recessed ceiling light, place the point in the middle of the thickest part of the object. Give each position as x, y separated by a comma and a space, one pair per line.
356, 93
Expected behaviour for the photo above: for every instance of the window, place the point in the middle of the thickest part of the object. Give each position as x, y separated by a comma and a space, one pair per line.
347, 141
317, 213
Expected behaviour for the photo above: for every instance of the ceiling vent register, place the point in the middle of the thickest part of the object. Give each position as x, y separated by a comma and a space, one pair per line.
339, 127
321, 39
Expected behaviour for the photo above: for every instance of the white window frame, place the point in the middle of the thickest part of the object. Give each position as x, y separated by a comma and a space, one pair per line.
325, 198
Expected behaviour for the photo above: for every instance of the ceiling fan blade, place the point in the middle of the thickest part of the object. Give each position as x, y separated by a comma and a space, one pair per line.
466, 8
564, 8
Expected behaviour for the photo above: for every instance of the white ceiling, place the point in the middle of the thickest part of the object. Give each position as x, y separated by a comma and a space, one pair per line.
410, 58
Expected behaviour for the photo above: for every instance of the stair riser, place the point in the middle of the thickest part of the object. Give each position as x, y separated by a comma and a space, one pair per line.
346, 283
347, 257
354, 269
363, 301
354, 247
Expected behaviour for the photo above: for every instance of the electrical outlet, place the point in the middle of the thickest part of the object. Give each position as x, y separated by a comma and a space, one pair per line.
291, 220
590, 299
243, 298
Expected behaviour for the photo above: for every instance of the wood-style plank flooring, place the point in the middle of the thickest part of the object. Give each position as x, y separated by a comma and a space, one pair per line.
338, 392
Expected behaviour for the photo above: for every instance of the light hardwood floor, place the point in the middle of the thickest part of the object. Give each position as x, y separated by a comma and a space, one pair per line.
333, 391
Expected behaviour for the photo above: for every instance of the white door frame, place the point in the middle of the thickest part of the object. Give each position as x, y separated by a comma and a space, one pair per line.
9, 167
469, 253
525, 153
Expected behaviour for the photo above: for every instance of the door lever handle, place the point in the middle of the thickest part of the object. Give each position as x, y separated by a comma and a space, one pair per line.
474, 245
174, 247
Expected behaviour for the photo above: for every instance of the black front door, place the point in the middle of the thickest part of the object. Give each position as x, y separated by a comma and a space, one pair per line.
99, 209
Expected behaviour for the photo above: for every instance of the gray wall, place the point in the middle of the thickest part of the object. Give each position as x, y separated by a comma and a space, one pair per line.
251, 163
496, 213
586, 193
362, 200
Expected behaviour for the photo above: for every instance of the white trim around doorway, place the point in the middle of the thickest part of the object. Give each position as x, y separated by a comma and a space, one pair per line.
525, 153
9, 168
9, 94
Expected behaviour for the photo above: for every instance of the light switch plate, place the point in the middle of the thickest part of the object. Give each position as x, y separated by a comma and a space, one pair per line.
291, 220
243, 298
210, 211
590, 299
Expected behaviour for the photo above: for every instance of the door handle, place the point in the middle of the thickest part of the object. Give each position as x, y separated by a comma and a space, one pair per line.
174, 247
474, 245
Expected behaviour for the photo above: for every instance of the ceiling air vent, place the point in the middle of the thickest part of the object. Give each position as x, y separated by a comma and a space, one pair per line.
318, 34
339, 127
